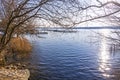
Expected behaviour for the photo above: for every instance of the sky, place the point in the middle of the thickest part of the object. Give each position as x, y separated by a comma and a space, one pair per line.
98, 22
92, 13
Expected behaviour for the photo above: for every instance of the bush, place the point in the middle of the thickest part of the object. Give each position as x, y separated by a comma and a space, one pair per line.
20, 45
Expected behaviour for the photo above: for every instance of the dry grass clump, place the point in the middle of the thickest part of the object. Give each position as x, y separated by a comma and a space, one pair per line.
20, 45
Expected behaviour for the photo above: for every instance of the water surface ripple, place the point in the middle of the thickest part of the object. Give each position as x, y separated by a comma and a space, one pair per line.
74, 56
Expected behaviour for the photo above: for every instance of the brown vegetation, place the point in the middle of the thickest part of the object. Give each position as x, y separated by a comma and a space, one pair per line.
17, 49
20, 45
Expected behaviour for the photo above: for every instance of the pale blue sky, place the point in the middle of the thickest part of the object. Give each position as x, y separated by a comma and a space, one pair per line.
102, 11
94, 12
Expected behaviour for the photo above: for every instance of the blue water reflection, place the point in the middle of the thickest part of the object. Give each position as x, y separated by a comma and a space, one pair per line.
84, 55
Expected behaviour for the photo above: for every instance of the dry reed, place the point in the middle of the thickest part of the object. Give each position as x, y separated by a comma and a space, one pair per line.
20, 45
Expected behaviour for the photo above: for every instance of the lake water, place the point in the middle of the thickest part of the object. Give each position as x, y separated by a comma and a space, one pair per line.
84, 55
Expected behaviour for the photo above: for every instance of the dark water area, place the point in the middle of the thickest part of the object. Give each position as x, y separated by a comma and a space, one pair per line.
84, 55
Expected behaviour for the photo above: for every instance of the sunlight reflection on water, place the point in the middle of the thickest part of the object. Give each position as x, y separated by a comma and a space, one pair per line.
104, 55
84, 55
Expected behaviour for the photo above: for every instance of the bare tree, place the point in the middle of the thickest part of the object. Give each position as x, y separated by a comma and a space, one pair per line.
100, 10
108, 12
17, 15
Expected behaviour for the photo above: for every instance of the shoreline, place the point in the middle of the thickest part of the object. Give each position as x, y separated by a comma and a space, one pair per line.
12, 72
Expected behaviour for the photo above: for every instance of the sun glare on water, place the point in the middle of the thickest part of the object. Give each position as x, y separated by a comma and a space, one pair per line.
104, 55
